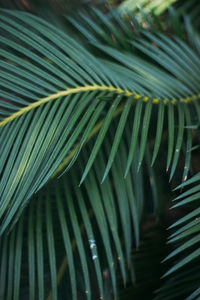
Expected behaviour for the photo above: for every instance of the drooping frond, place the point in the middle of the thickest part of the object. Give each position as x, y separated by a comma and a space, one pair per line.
71, 235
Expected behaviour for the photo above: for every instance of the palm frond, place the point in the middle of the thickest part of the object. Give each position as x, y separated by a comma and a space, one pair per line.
186, 239
111, 28
103, 106
54, 95
44, 127
89, 227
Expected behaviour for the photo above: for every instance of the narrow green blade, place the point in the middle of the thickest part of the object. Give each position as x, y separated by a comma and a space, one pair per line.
18, 257
189, 181
10, 290
51, 247
170, 133
4, 266
67, 244
128, 182
187, 200
118, 135
79, 242
95, 201
188, 143
89, 230
194, 295
183, 262
183, 247
110, 210
185, 227
152, 180
179, 139
194, 213
188, 192
31, 252
144, 133
123, 204
135, 132
39, 250
159, 130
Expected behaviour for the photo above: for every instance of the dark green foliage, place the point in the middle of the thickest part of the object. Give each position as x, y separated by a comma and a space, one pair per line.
91, 115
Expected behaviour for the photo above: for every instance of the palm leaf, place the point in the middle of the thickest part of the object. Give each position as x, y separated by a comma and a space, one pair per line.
77, 81
83, 225
186, 238
56, 96
51, 119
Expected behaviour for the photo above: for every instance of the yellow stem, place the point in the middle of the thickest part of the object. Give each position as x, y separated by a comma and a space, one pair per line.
62, 94
86, 89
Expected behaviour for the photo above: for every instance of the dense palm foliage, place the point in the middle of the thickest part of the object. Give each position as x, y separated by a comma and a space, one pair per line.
92, 113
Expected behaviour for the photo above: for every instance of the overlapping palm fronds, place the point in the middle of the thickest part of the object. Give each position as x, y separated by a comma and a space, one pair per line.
57, 97
89, 228
72, 76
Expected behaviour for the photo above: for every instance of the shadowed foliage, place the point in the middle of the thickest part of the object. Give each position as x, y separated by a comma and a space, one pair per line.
92, 114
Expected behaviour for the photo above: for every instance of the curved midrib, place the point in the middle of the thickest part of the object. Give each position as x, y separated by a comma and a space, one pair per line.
86, 89
61, 94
